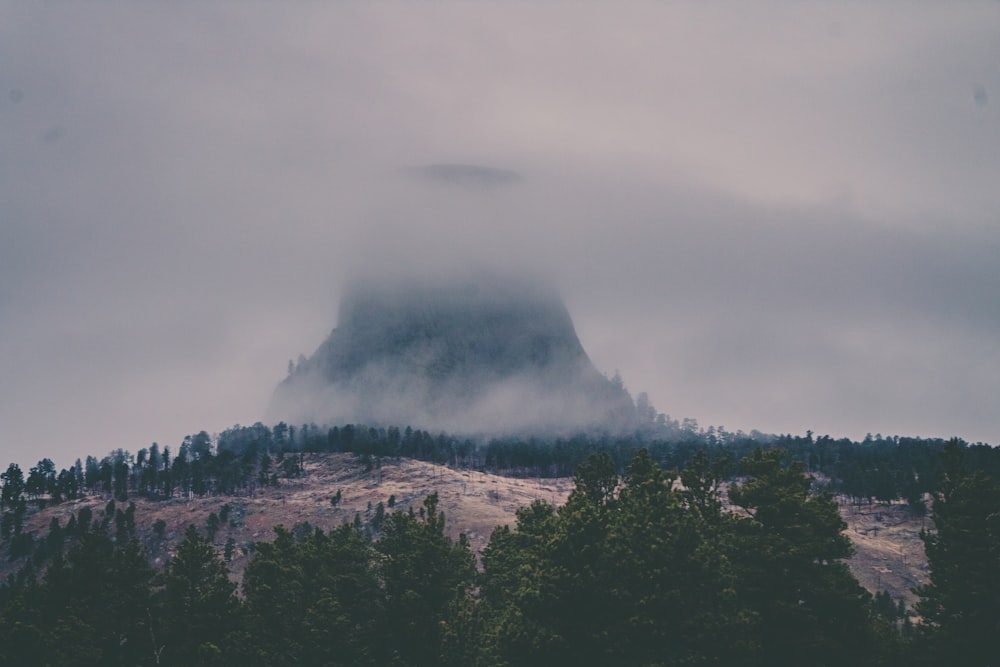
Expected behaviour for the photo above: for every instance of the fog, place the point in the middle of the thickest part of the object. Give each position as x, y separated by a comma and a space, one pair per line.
776, 217
482, 352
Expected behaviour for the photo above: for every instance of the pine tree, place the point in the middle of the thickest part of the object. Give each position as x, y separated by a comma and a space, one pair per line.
789, 552
314, 601
90, 608
424, 575
199, 605
961, 604
672, 590
518, 591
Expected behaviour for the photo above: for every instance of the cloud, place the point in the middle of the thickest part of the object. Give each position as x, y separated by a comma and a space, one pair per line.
769, 217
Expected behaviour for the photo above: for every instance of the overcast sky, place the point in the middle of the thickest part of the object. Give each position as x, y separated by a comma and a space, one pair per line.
782, 217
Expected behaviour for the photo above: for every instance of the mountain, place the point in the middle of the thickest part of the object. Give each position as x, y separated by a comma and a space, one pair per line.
479, 353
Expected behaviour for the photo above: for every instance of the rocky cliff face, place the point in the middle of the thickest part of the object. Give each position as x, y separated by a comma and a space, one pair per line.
484, 354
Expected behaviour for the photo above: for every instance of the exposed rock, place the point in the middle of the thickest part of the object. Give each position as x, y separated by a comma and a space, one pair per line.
483, 354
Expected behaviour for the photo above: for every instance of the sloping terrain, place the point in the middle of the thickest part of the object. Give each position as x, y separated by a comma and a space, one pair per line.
474, 503
889, 553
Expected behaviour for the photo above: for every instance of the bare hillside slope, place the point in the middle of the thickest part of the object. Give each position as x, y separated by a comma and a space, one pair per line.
889, 554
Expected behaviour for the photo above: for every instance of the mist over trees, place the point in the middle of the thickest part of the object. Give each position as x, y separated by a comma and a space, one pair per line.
802, 290
241, 459
649, 561
467, 352
634, 569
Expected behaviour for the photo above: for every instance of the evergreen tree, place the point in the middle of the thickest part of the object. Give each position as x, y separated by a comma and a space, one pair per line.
961, 604
315, 601
672, 592
424, 574
518, 591
200, 609
790, 551
90, 609
625, 573
13, 486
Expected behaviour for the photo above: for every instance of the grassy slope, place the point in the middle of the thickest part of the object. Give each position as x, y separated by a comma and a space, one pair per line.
890, 557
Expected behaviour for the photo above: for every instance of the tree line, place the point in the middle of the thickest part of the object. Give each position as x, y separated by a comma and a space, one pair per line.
642, 567
244, 458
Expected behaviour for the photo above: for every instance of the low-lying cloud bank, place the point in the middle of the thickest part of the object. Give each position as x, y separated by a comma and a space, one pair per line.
475, 353
769, 217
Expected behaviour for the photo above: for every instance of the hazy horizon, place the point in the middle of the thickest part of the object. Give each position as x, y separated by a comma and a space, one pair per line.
775, 217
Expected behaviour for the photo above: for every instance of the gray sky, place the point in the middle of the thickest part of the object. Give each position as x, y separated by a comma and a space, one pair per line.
781, 217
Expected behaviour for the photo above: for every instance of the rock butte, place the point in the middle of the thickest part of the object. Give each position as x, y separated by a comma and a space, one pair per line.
483, 353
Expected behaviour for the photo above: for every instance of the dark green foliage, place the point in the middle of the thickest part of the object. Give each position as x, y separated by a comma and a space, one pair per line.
379, 517
54, 540
41, 480
246, 457
886, 608
315, 601
624, 574
90, 609
200, 610
675, 584
212, 526
809, 608
639, 572
516, 589
425, 575
961, 604
633, 570
84, 517
6, 525
13, 486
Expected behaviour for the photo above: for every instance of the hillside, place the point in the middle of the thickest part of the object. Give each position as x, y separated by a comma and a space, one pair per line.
889, 553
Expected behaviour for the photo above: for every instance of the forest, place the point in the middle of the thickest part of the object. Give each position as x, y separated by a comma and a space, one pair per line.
702, 548
242, 458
